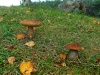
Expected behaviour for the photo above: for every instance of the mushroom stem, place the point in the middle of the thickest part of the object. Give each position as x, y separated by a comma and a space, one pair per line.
30, 33
72, 55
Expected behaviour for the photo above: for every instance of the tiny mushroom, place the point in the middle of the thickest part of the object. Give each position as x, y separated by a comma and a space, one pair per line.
73, 51
30, 24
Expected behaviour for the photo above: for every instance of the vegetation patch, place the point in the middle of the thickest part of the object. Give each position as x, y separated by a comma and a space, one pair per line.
48, 52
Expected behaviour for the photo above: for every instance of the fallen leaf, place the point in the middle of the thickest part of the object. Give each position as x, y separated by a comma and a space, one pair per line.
26, 68
63, 64
1, 19
57, 64
52, 73
20, 36
98, 60
11, 48
49, 21
98, 22
62, 56
11, 60
94, 22
89, 31
95, 49
45, 56
27, 11
12, 20
30, 43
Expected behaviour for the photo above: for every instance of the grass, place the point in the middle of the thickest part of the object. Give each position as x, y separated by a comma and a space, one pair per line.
58, 29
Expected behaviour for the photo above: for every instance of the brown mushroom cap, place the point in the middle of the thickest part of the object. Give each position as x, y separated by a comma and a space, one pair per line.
74, 46
32, 23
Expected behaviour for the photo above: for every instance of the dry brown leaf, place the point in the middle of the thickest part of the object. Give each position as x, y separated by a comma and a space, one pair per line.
27, 11
96, 49
11, 60
57, 64
62, 56
11, 48
45, 56
30, 43
49, 21
1, 19
63, 64
26, 68
89, 30
96, 22
98, 61
20, 36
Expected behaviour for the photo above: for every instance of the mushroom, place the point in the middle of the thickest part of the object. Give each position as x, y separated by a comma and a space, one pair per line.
30, 24
73, 51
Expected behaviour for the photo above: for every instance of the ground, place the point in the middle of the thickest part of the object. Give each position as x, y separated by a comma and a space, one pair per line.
58, 29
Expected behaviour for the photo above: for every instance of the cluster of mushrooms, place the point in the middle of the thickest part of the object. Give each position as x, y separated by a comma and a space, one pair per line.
30, 24
73, 46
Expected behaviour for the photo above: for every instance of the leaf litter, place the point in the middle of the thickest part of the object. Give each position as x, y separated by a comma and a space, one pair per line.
11, 60
30, 43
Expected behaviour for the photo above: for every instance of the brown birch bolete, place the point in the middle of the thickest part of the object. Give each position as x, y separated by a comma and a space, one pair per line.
73, 51
31, 24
